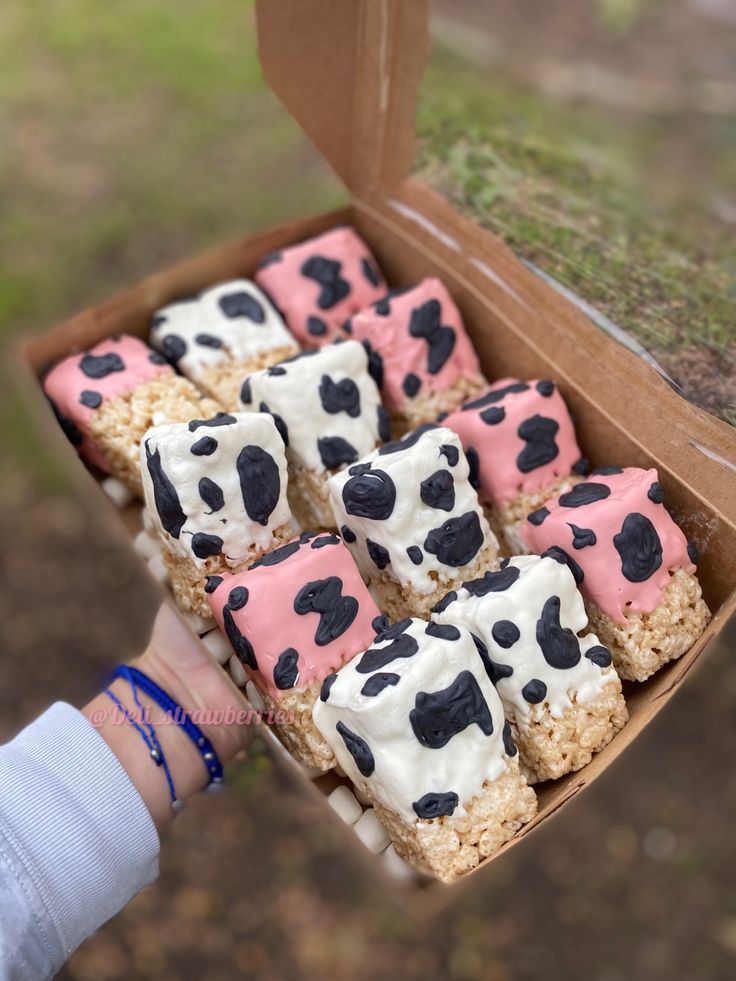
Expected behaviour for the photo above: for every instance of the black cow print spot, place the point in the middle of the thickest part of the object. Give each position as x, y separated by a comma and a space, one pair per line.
316, 326
165, 495
559, 644
376, 658
399, 445
494, 669
537, 517
326, 273
493, 415
411, 384
438, 716
415, 554
545, 388
377, 682
383, 306
443, 631
157, 320
607, 471
155, 358
208, 340
438, 491
450, 453
496, 396
493, 582
348, 534
270, 259
432, 806
277, 555
286, 672
220, 419
92, 400
174, 347
359, 469
656, 493
505, 633
457, 541
204, 545
277, 421
639, 547
325, 540
242, 304
324, 692
211, 584
582, 537
370, 495
246, 395
586, 493
275, 370
240, 643
101, 365
561, 556
260, 483
534, 691
211, 494
334, 451
581, 467
508, 742
380, 624
693, 553
205, 446
370, 272
473, 459
599, 655
336, 612
445, 602
379, 555
375, 364
425, 322
384, 424
342, 396
237, 597
396, 629
358, 749
539, 434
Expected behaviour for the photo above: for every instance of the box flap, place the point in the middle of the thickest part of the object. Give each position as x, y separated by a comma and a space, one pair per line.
349, 72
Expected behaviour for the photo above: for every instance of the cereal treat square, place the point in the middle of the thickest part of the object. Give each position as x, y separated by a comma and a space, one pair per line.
293, 617
328, 410
412, 520
631, 562
559, 690
215, 490
520, 441
106, 398
421, 356
418, 727
220, 336
319, 283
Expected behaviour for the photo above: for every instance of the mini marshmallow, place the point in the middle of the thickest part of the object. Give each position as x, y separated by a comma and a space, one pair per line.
343, 802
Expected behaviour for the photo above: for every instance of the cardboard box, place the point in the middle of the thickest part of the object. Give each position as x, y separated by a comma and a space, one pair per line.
349, 72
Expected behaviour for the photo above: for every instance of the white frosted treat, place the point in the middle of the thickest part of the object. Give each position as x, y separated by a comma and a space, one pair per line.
527, 616
371, 832
409, 508
342, 801
233, 321
216, 486
416, 721
326, 405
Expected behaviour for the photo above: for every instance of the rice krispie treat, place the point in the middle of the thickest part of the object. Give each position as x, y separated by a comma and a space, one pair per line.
329, 413
106, 398
520, 442
319, 283
418, 727
421, 356
215, 491
631, 562
222, 335
293, 617
413, 522
559, 690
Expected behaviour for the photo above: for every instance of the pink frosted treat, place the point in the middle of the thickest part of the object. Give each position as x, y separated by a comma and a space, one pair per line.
520, 443
421, 356
293, 617
319, 283
632, 564
106, 398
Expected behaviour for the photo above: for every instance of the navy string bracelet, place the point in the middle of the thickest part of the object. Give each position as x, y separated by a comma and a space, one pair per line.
139, 681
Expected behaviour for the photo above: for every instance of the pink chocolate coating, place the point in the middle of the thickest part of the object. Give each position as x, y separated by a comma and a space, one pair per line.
633, 533
78, 385
304, 616
318, 284
506, 462
429, 360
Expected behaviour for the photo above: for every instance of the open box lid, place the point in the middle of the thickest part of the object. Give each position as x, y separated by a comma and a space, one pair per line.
349, 72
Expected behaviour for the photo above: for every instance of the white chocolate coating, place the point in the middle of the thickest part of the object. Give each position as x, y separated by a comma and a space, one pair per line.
521, 605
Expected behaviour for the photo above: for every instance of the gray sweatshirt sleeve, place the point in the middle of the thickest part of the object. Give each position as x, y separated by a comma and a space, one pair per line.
76, 842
